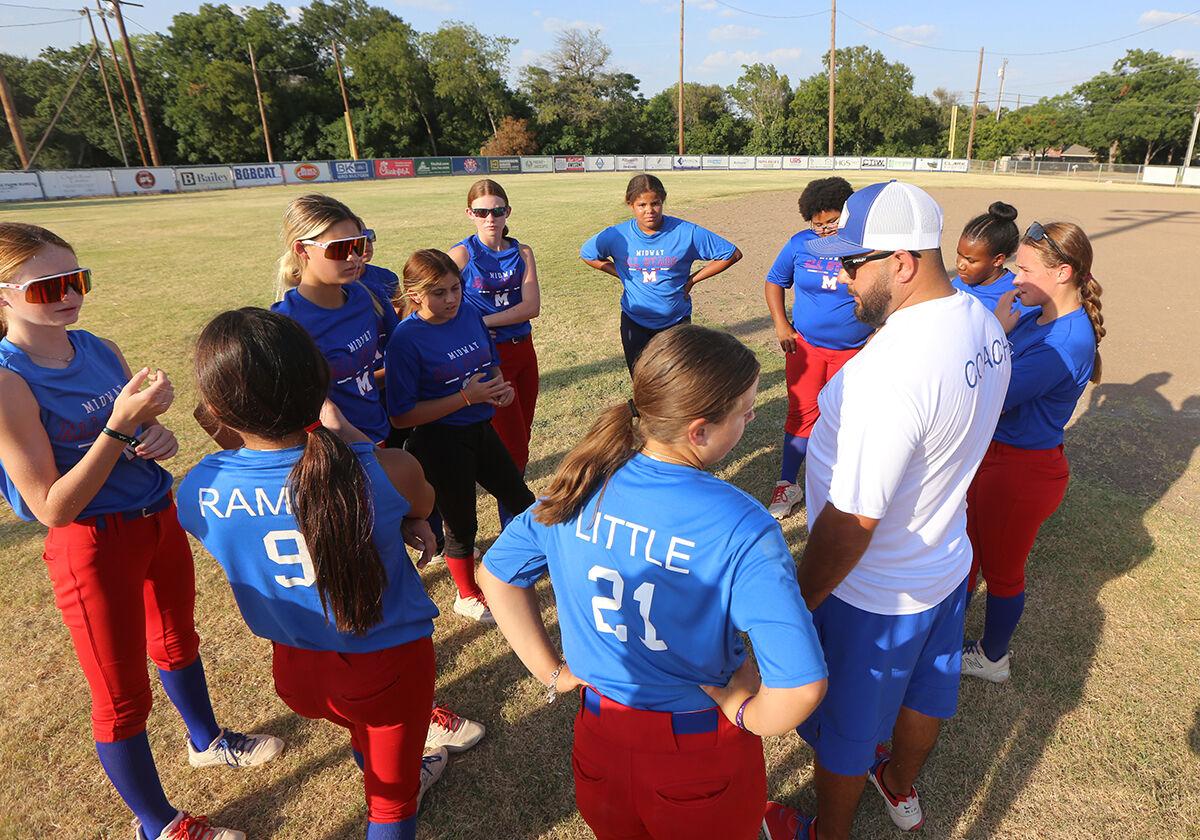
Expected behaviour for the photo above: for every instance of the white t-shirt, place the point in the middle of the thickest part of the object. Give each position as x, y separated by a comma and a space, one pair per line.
903, 428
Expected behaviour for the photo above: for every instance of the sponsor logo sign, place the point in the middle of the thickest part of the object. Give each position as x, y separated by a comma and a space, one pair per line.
72, 183
542, 163
768, 162
351, 170
741, 162
144, 180
819, 162
873, 163
847, 163
929, 164
900, 164
631, 163
600, 163
468, 165
569, 163
307, 172
955, 165
431, 166
686, 162
257, 174
1150, 175
394, 168
659, 162
714, 161
19, 186
504, 164
205, 178
798, 162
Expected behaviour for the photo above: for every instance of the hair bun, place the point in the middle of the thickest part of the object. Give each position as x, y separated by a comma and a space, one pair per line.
1002, 211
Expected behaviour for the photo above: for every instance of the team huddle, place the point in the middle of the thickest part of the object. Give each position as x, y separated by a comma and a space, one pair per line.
355, 419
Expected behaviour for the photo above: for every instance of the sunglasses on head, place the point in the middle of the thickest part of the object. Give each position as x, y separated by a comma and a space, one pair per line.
484, 212
853, 264
1037, 233
340, 249
53, 288
369, 233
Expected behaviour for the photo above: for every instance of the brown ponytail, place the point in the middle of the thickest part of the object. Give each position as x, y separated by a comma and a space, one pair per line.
423, 270
1089, 292
685, 373
260, 372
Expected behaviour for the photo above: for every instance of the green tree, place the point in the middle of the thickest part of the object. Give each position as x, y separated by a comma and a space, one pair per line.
763, 96
1051, 123
468, 70
710, 127
389, 73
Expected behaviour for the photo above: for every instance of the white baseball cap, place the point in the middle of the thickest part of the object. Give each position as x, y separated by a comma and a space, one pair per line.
893, 216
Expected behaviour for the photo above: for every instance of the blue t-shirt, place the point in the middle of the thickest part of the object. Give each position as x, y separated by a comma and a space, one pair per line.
492, 282
990, 294
428, 361
1052, 364
237, 503
382, 282
75, 403
652, 593
823, 311
654, 268
349, 339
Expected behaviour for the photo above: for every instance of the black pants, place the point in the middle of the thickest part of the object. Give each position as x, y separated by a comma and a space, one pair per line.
635, 337
455, 458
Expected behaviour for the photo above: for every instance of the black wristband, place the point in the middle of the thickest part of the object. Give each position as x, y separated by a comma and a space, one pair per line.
128, 440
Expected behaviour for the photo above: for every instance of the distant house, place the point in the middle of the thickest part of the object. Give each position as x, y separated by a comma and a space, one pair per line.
1074, 153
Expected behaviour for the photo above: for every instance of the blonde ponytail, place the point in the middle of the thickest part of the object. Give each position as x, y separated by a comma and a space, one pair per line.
306, 217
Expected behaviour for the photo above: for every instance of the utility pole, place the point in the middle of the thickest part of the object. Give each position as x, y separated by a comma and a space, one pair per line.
262, 109
975, 107
679, 108
112, 51
1191, 149
337, 60
14, 121
999, 96
953, 127
1018, 108
112, 108
137, 84
62, 105
832, 64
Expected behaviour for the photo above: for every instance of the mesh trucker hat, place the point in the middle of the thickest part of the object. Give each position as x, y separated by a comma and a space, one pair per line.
884, 217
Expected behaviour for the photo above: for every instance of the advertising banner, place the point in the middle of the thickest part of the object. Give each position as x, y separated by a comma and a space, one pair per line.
631, 163
1191, 177
307, 172
600, 163
741, 162
714, 161
657, 163
873, 163
797, 162
929, 165
543, 163
257, 174
74, 183
19, 186
351, 170
468, 165
686, 162
569, 163
204, 178
394, 168
847, 163
431, 166
1150, 175
900, 164
955, 165
504, 165
816, 162
158, 179
768, 162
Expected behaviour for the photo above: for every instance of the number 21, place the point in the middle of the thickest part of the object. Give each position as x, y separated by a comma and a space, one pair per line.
643, 595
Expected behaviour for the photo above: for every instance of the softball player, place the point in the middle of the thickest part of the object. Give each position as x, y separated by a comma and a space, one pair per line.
652, 595
652, 256
79, 438
310, 530
988, 242
500, 281
444, 379
1024, 475
821, 337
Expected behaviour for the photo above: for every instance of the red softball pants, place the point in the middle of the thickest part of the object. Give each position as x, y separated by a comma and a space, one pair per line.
806, 371
514, 422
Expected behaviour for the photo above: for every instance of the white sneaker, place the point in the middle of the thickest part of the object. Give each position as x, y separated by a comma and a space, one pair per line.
187, 827
473, 608
233, 749
433, 765
975, 663
786, 498
454, 732
905, 812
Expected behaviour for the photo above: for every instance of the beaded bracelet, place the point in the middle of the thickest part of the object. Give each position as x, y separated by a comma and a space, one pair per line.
741, 712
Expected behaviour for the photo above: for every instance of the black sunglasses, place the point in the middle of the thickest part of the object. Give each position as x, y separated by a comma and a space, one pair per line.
853, 264
1037, 233
484, 212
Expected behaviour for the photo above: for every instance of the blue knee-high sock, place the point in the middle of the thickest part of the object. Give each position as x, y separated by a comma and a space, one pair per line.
188, 691
358, 759
794, 450
1000, 624
435, 525
403, 830
130, 767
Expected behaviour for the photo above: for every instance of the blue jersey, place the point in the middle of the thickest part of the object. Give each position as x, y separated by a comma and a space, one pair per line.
236, 502
349, 339
654, 268
382, 283
74, 404
492, 282
990, 294
428, 361
1052, 364
823, 311
652, 593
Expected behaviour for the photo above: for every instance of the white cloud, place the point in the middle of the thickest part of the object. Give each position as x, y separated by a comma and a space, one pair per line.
426, 5
1186, 55
921, 33
1155, 17
734, 32
725, 59
294, 13
557, 24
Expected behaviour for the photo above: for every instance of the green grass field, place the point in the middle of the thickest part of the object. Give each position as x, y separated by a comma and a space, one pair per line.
1097, 735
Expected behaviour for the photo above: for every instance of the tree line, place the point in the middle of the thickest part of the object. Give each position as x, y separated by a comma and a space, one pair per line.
449, 92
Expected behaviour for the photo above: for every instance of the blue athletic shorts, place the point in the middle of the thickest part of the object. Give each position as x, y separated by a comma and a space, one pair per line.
878, 663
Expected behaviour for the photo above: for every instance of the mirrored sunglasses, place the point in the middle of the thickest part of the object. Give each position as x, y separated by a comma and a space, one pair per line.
53, 288
340, 249
484, 212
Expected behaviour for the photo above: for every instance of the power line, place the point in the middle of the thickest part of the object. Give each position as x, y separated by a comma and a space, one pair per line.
39, 23
46, 8
770, 17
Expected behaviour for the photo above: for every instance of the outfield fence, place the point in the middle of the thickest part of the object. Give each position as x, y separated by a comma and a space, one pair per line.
80, 183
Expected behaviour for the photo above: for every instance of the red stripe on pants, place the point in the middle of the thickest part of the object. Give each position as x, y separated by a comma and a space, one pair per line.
383, 698
125, 587
1013, 493
514, 422
807, 370
635, 778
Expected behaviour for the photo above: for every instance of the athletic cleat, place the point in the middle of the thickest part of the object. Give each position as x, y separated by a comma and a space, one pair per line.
475, 608
188, 827
786, 498
783, 823
454, 732
233, 749
905, 812
433, 765
975, 663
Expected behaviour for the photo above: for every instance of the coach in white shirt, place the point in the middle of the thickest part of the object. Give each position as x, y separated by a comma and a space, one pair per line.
902, 430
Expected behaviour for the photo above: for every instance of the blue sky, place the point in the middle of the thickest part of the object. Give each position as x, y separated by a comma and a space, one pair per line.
721, 35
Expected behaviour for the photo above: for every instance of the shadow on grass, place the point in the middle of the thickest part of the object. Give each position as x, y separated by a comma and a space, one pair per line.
1139, 219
